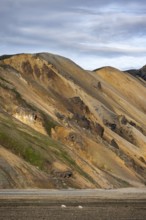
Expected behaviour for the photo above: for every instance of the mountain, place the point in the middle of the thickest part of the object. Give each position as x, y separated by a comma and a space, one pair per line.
64, 127
140, 73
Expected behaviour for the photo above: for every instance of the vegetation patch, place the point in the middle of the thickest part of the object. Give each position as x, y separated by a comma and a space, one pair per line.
33, 157
35, 148
29, 144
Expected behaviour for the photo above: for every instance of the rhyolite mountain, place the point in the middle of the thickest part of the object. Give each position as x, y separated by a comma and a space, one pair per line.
64, 127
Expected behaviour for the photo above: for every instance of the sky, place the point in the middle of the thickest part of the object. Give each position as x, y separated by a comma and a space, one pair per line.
93, 33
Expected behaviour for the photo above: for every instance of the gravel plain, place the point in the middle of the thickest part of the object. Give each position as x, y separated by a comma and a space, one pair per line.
120, 204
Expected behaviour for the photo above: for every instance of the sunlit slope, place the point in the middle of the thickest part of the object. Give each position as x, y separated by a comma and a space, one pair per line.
128, 87
128, 97
88, 128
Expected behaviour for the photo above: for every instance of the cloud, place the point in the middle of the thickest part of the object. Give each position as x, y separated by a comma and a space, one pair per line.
81, 30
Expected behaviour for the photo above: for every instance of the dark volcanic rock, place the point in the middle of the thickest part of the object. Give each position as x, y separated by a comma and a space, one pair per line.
26, 67
114, 144
142, 160
77, 105
82, 121
112, 126
37, 70
48, 71
73, 137
62, 174
140, 73
99, 129
123, 120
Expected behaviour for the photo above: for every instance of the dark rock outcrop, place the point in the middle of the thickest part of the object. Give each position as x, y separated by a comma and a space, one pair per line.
114, 144
138, 73
62, 174
76, 105
99, 130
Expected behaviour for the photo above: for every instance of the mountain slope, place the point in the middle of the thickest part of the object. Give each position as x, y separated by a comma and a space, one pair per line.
75, 128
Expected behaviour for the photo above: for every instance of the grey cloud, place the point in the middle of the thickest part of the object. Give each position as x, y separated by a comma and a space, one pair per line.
118, 27
73, 25
112, 51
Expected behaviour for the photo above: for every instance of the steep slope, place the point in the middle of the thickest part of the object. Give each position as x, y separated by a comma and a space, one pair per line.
76, 128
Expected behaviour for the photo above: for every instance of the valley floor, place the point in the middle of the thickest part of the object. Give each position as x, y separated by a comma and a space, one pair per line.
71, 204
